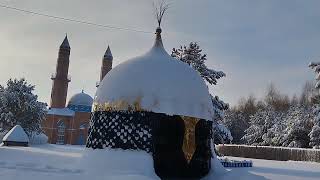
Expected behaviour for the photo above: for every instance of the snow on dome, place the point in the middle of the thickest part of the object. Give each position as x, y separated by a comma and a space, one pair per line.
81, 99
16, 134
158, 83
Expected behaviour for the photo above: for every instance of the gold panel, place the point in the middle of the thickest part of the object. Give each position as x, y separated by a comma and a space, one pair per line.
120, 105
189, 141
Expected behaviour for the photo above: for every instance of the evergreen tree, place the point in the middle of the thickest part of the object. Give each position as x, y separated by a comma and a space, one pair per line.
298, 123
222, 134
273, 129
193, 57
19, 106
219, 108
314, 134
259, 132
253, 135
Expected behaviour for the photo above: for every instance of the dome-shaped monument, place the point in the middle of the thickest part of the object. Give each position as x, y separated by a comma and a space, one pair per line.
155, 82
80, 102
156, 104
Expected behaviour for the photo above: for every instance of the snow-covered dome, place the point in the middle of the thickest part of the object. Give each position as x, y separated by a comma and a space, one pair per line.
155, 82
80, 102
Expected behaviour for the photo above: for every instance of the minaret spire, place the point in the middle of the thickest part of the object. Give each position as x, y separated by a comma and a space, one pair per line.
60, 78
106, 65
108, 54
65, 43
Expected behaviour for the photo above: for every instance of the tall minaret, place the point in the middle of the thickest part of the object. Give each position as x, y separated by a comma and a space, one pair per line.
60, 78
106, 63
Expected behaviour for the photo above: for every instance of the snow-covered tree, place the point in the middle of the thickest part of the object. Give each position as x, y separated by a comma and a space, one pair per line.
192, 55
219, 108
314, 134
298, 122
274, 129
253, 135
315, 137
222, 134
19, 106
261, 127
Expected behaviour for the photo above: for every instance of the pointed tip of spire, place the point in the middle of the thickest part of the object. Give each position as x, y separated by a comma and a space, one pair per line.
158, 41
65, 43
108, 54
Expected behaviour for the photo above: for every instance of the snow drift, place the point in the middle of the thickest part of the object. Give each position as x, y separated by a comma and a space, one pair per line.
118, 164
38, 138
16, 134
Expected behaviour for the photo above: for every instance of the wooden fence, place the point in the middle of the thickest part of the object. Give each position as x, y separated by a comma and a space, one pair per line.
270, 153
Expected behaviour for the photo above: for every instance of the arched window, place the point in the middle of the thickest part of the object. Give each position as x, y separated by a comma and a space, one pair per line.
61, 131
82, 139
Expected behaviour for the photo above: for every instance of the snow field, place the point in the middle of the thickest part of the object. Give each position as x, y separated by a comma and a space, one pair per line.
53, 162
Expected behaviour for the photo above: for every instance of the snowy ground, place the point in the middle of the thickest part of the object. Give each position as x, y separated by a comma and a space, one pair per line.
278, 170
72, 162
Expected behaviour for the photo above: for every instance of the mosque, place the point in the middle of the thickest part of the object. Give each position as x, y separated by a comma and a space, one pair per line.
67, 123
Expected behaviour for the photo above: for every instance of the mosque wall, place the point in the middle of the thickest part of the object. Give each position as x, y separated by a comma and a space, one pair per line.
70, 129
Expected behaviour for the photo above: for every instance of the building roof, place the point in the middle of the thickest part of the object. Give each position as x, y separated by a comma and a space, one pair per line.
61, 112
156, 82
16, 134
108, 54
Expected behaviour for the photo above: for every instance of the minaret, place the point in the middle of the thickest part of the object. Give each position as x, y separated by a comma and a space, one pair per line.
61, 78
106, 63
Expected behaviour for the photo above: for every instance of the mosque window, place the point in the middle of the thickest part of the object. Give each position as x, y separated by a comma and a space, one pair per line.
61, 132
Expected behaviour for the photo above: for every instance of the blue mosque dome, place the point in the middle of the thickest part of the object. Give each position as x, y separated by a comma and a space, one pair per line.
80, 102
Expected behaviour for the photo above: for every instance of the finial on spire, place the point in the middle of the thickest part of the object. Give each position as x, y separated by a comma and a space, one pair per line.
108, 54
160, 9
65, 43
82, 91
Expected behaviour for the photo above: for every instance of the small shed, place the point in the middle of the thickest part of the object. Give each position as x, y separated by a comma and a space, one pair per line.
16, 137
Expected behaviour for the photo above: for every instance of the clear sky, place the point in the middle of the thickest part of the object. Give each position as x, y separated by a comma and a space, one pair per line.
254, 42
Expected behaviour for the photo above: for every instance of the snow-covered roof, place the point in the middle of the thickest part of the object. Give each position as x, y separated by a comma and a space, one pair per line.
159, 83
16, 134
108, 54
81, 99
61, 111
65, 43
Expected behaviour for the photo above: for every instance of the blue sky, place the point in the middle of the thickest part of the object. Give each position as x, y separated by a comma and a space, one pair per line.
253, 42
